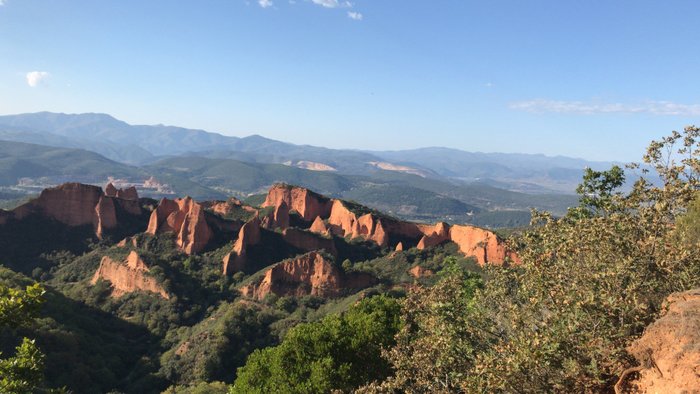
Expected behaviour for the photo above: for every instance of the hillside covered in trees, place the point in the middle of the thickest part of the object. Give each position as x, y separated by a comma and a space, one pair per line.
105, 291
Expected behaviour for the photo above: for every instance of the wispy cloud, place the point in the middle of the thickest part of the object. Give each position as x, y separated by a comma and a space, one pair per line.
333, 3
2, 2
355, 15
265, 3
596, 107
34, 78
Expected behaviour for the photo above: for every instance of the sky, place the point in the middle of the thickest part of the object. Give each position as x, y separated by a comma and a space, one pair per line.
593, 79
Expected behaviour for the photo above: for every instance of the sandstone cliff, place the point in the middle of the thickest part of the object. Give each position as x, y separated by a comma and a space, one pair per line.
669, 350
308, 241
248, 235
307, 274
76, 204
128, 276
308, 204
184, 217
319, 226
345, 223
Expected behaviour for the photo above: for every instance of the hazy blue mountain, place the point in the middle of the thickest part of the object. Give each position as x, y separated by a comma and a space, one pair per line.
139, 144
23, 160
523, 172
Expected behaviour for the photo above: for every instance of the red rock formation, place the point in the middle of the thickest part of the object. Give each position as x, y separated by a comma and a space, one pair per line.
308, 241
399, 247
128, 276
420, 272
225, 208
129, 193
342, 222
110, 190
345, 223
128, 198
307, 203
248, 235
184, 217
128, 240
669, 350
281, 215
482, 244
319, 226
105, 215
75, 204
304, 275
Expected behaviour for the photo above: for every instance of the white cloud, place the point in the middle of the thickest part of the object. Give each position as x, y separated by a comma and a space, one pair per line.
332, 3
2, 2
34, 78
594, 107
355, 15
265, 3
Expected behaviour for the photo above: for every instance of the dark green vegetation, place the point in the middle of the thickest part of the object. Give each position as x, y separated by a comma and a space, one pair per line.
340, 352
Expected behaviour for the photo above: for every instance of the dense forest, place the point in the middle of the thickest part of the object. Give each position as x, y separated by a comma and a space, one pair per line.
561, 319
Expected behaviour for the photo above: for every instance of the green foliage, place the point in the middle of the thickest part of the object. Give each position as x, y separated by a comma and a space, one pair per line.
598, 191
588, 285
199, 388
341, 352
215, 348
22, 372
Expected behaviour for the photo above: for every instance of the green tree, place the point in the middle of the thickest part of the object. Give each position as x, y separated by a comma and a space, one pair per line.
341, 352
588, 285
22, 372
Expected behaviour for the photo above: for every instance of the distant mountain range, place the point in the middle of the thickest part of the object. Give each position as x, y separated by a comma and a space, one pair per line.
43, 149
138, 145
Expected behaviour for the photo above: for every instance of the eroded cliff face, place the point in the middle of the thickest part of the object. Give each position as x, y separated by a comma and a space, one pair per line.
184, 217
248, 235
319, 227
669, 350
308, 241
484, 245
341, 221
308, 204
309, 274
76, 204
128, 276
345, 223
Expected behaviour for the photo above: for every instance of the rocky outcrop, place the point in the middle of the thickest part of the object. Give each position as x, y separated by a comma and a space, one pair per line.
345, 223
128, 198
309, 274
184, 217
669, 350
420, 272
129, 193
319, 227
308, 204
76, 204
248, 235
308, 241
110, 190
226, 208
399, 247
482, 244
278, 218
433, 235
128, 276
105, 215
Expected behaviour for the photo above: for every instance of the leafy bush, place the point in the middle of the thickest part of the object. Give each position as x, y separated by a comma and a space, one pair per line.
341, 352
588, 285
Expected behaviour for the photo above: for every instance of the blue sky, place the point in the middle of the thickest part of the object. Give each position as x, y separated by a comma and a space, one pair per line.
593, 79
